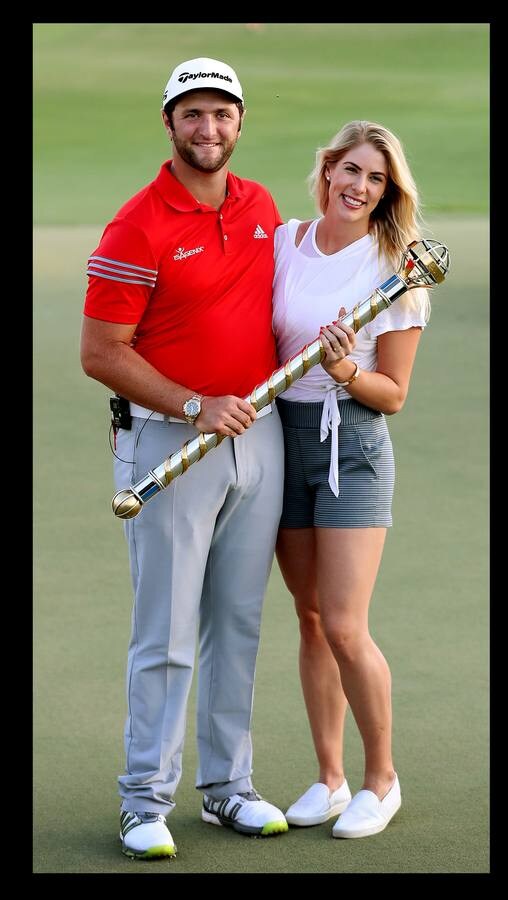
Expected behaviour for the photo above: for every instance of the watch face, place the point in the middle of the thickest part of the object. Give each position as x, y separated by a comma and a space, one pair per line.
192, 408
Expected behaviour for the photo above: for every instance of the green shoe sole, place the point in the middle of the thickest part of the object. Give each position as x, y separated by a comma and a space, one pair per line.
275, 828
164, 850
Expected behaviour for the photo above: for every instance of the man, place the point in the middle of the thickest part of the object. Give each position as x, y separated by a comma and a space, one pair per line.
178, 322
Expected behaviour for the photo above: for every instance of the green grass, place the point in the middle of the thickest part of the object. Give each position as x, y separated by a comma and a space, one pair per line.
97, 140
98, 135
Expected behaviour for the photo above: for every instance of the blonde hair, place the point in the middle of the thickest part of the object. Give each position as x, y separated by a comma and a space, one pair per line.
396, 220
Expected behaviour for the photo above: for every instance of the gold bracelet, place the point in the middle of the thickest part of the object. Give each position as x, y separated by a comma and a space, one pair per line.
354, 376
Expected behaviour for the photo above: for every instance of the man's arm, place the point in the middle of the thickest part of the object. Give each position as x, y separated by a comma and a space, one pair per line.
107, 356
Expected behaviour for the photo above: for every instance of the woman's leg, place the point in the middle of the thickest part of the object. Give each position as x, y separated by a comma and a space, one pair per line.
322, 690
347, 561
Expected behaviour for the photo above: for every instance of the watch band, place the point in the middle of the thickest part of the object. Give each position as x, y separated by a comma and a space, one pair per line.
190, 419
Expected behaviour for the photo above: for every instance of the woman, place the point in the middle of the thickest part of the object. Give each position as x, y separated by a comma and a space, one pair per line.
339, 459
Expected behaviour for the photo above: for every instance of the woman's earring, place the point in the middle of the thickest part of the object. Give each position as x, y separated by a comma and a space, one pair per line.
327, 177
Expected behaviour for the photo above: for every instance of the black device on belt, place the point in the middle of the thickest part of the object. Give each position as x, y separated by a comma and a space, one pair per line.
120, 412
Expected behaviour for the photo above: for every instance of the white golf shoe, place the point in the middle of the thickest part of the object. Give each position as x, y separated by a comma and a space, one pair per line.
145, 835
247, 813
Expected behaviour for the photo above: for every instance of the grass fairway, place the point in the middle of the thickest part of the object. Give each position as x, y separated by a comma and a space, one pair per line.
98, 136
97, 140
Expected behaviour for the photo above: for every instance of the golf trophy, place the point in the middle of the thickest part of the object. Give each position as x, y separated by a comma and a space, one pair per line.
424, 264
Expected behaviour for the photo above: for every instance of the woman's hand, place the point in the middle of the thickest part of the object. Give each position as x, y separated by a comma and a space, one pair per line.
338, 341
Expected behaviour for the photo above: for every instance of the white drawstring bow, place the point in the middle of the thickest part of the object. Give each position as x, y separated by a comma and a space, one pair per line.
330, 419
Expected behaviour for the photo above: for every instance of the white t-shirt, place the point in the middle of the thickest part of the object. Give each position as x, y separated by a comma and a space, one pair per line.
309, 289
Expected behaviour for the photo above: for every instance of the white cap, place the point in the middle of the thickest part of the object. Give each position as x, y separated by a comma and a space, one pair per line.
196, 74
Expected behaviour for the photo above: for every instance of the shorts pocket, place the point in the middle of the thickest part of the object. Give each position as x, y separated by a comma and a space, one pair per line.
375, 444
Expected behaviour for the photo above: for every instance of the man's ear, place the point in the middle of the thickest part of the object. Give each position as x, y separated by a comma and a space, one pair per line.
167, 124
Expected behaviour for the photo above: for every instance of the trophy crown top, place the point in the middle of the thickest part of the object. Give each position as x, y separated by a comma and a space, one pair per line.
426, 262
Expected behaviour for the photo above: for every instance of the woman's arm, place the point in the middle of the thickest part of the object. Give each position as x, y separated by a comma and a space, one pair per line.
386, 388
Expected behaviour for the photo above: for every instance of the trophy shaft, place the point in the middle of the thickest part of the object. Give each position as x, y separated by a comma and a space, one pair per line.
425, 262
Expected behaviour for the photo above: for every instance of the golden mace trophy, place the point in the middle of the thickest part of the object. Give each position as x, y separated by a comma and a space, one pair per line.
424, 264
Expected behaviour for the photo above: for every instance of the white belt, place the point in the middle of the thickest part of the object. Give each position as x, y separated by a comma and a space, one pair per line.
143, 413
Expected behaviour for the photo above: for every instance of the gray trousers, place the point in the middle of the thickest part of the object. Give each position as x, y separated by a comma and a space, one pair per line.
200, 551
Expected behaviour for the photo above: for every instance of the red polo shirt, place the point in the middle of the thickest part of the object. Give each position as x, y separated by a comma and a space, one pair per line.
197, 282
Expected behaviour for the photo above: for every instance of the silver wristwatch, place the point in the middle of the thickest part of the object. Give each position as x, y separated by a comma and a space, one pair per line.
192, 408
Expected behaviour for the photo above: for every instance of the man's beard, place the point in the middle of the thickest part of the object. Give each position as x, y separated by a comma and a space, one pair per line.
191, 156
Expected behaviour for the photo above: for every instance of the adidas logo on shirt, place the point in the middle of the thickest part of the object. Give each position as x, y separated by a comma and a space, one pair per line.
259, 233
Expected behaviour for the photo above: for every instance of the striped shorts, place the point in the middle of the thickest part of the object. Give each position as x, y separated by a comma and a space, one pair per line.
366, 468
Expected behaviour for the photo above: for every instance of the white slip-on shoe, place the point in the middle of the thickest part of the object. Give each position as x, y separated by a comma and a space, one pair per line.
145, 835
367, 814
318, 804
247, 813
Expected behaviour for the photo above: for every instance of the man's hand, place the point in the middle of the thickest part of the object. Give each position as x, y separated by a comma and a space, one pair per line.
230, 415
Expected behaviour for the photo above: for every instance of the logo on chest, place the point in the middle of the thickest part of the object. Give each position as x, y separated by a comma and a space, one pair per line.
259, 233
182, 253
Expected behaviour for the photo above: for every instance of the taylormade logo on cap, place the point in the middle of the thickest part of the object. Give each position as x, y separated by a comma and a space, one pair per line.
196, 74
186, 75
